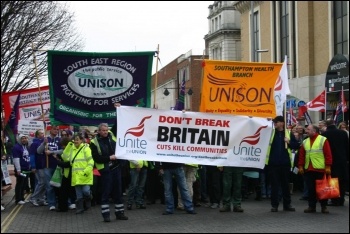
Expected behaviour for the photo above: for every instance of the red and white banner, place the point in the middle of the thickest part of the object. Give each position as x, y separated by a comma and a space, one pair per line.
344, 108
192, 137
318, 103
29, 103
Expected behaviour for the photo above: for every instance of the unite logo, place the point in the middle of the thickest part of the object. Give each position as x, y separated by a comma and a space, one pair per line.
250, 151
135, 145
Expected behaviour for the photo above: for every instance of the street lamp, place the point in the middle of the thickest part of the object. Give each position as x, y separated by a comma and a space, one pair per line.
166, 91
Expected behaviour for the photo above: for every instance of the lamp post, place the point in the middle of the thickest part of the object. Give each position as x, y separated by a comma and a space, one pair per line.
166, 91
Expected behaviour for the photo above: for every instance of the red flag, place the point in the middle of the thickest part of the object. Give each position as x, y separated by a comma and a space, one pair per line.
302, 110
343, 102
318, 103
292, 117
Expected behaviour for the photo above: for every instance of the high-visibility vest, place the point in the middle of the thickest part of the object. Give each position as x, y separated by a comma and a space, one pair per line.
100, 166
314, 153
141, 164
287, 134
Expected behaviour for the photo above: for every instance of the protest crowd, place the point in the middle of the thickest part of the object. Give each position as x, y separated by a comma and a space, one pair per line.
76, 170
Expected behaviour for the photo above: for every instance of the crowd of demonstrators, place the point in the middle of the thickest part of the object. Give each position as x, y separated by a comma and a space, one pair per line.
90, 166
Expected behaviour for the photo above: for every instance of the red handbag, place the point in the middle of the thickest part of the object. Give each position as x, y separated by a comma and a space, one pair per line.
327, 188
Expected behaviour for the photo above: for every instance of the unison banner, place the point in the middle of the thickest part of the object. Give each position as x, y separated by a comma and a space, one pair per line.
239, 88
85, 86
191, 137
29, 103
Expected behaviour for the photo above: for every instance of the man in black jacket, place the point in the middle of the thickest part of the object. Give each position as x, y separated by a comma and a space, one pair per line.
339, 143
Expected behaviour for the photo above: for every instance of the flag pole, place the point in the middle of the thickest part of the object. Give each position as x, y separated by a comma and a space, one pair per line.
37, 79
41, 102
285, 122
156, 81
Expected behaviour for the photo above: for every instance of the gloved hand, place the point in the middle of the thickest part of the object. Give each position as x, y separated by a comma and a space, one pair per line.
301, 170
328, 170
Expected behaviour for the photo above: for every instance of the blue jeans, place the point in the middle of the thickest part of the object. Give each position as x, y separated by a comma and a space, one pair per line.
181, 183
137, 185
40, 188
50, 192
82, 191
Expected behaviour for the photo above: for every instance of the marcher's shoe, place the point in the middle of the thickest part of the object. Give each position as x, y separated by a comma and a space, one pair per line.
310, 210
274, 209
225, 209
237, 209
191, 212
167, 213
79, 206
180, 208
197, 204
121, 217
35, 203
289, 208
2, 208
324, 210
106, 219
333, 204
129, 207
87, 202
140, 206
303, 198
21, 203
215, 205
52, 208
72, 207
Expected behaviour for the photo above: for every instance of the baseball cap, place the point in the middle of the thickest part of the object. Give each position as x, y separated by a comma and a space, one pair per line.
278, 119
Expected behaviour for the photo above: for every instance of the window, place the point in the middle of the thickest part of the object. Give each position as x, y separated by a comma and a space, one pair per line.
340, 27
256, 27
284, 29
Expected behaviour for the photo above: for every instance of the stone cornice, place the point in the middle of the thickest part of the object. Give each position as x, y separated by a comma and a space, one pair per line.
243, 6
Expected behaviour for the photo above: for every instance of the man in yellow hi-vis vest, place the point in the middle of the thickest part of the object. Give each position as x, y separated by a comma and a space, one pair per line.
315, 158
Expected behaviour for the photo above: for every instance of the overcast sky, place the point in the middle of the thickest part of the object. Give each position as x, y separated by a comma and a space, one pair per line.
119, 26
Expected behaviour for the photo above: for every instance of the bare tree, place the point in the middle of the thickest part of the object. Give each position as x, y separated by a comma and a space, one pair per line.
47, 24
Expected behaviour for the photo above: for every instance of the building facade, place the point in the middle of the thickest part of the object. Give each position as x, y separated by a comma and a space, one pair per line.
223, 41
311, 34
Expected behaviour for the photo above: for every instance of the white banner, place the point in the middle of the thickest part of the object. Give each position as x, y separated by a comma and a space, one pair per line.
29, 127
192, 137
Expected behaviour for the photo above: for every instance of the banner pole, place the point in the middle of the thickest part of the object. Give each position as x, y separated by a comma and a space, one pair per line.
41, 102
37, 79
156, 81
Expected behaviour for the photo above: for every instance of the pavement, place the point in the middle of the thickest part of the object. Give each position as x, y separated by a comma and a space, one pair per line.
256, 218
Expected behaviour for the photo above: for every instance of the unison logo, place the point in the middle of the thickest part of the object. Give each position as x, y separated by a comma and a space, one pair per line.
101, 81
